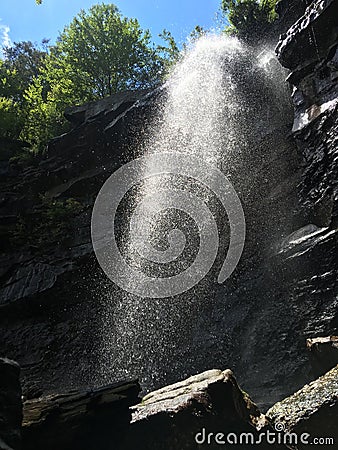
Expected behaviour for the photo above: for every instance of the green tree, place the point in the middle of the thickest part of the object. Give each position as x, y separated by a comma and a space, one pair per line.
108, 52
167, 55
197, 33
20, 66
249, 19
11, 119
47, 97
99, 53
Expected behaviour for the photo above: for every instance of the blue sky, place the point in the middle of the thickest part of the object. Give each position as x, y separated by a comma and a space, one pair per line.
24, 20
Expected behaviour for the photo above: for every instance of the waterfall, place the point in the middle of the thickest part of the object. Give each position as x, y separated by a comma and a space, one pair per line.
205, 118
200, 94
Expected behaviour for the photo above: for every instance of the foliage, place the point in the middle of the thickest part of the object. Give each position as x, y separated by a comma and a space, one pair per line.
168, 54
249, 18
99, 53
18, 70
108, 53
47, 99
10, 118
197, 33
20, 66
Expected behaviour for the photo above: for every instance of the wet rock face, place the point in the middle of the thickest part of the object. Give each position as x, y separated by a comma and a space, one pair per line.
75, 168
324, 353
10, 405
51, 285
310, 37
310, 50
80, 420
289, 11
48, 274
299, 300
296, 286
183, 415
312, 410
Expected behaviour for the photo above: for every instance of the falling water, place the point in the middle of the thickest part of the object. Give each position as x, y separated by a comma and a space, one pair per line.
200, 93
205, 111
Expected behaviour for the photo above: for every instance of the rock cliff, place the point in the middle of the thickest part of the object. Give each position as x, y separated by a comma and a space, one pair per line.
49, 277
53, 308
10, 405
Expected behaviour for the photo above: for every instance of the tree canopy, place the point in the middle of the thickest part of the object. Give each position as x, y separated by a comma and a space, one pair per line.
18, 69
99, 53
108, 52
249, 18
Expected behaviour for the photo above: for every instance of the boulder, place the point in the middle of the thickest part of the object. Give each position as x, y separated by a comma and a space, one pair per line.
79, 420
312, 410
323, 353
202, 409
10, 405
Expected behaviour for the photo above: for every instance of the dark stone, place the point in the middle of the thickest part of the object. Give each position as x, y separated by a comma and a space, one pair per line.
299, 296
48, 287
323, 353
56, 299
80, 420
76, 166
114, 106
311, 36
10, 405
52, 320
314, 77
211, 402
313, 410
288, 11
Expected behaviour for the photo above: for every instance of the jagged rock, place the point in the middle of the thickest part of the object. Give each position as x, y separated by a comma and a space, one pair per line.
288, 12
50, 274
56, 296
181, 416
75, 166
310, 37
79, 420
304, 270
308, 238
54, 325
10, 405
323, 352
313, 410
310, 50
114, 105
